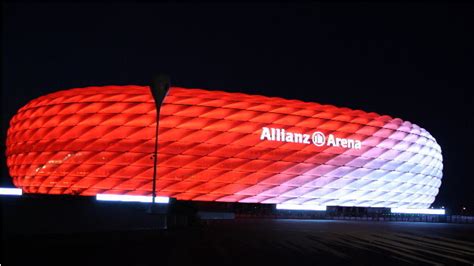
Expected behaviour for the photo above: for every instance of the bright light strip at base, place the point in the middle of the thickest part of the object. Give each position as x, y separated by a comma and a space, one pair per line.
11, 191
418, 211
131, 198
300, 207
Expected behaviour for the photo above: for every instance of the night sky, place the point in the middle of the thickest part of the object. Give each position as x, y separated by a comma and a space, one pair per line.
413, 61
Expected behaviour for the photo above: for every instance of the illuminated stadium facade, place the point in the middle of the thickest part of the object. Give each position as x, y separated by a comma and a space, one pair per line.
219, 146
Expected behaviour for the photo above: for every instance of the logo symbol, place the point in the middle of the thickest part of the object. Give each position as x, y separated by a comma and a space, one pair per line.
318, 139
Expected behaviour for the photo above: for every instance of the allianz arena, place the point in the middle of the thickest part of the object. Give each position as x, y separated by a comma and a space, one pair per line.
219, 146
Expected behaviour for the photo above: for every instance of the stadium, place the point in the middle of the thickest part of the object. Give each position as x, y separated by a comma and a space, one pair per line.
220, 146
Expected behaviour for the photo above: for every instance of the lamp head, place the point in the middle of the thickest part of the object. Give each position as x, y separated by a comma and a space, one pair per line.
159, 88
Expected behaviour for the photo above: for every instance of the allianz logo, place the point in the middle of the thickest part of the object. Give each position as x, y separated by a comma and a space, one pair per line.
317, 138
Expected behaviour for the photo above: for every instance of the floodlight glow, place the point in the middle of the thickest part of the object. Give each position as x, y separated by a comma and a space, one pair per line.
11, 191
131, 198
418, 211
300, 207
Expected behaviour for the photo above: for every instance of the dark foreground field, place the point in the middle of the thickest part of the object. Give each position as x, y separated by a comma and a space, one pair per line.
244, 242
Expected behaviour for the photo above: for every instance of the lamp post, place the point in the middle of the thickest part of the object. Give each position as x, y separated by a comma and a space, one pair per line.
159, 88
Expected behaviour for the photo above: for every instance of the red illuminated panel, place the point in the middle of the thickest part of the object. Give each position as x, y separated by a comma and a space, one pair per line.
219, 146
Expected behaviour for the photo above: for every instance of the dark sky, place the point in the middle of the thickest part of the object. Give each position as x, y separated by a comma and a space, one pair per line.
413, 61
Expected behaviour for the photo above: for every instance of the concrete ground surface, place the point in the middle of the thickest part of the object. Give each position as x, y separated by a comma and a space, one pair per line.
252, 242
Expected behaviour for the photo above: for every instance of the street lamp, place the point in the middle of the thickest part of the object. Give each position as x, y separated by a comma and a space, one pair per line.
159, 88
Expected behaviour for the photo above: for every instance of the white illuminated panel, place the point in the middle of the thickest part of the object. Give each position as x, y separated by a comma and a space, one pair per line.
11, 191
418, 211
300, 207
131, 198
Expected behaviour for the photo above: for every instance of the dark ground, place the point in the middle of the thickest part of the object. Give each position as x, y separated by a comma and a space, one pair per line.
61, 230
249, 241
